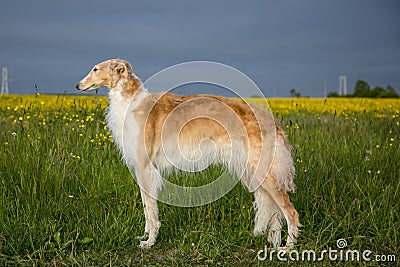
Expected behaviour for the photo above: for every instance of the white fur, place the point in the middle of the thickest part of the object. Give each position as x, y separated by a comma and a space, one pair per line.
124, 127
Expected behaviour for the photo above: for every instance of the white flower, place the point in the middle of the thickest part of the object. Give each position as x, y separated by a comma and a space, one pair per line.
14, 134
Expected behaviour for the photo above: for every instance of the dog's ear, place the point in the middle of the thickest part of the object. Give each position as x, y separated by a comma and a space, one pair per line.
118, 67
122, 67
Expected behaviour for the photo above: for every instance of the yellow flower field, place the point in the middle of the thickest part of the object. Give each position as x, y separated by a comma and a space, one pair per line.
339, 106
51, 102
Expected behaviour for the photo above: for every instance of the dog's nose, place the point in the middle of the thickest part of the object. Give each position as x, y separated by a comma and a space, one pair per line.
77, 86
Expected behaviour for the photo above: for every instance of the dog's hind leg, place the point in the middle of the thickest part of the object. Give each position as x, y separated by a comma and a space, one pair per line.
279, 181
267, 217
282, 200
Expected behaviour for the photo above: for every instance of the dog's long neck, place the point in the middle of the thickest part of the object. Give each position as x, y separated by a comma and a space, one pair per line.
126, 95
129, 87
126, 90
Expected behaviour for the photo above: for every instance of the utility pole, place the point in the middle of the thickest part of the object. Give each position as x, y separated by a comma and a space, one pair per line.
342, 85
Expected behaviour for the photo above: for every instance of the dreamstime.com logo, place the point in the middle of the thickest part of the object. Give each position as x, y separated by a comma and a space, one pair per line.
341, 253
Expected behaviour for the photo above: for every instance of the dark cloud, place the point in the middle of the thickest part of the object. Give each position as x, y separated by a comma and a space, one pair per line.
279, 44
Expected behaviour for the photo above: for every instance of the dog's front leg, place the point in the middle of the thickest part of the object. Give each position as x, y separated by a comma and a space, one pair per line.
148, 188
145, 236
152, 221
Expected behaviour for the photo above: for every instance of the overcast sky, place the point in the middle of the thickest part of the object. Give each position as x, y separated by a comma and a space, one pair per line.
279, 44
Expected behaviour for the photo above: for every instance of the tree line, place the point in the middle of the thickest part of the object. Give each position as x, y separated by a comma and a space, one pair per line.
362, 89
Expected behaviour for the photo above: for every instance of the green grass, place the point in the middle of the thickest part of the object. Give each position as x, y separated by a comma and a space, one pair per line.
67, 199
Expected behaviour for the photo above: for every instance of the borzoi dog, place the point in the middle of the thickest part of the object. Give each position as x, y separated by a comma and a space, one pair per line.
154, 134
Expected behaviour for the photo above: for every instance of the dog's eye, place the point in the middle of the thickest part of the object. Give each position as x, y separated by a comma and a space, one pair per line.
95, 69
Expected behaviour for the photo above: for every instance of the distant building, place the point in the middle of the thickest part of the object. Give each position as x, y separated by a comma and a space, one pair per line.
4, 81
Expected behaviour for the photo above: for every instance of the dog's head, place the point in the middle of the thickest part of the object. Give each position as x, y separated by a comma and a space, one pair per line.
108, 73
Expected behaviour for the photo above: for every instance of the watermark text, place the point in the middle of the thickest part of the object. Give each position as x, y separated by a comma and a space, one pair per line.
341, 253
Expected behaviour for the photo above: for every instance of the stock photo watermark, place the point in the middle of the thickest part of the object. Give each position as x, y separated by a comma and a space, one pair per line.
340, 253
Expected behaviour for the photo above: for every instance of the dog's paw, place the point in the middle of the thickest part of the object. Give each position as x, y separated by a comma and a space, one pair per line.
146, 244
143, 237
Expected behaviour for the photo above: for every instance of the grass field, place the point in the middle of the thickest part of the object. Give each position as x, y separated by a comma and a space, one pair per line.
67, 199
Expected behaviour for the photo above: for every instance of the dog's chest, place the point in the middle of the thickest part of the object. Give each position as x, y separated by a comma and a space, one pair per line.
123, 125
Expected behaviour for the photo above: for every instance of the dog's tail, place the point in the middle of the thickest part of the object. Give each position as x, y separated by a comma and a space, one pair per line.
282, 166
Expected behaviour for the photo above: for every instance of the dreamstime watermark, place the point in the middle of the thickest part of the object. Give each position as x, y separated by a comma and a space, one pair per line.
340, 253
